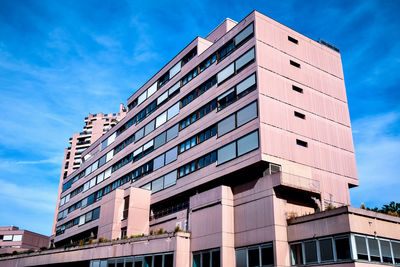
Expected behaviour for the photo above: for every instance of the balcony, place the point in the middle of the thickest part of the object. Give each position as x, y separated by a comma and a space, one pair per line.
296, 182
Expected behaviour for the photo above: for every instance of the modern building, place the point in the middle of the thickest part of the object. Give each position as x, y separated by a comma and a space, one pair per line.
13, 239
243, 141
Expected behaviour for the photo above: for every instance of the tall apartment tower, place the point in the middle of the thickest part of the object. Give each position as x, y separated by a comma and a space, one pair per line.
234, 141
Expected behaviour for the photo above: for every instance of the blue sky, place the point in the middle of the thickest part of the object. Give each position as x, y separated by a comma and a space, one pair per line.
60, 60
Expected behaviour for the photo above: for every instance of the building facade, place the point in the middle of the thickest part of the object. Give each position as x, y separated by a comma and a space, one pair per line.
13, 239
228, 156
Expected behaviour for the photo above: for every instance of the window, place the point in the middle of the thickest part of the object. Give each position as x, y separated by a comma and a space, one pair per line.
243, 35
226, 125
102, 161
291, 39
385, 249
142, 98
299, 115
152, 89
396, 252
342, 245
295, 64
123, 234
226, 50
255, 256
296, 254
174, 88
171, 155
297, 89
326, 249
374, 250
162, 98
207, 258
227, 153
175, 70
159, 162
157, 185
172, 132
246, 86
173, 111
301, 143
198, 164
149, 128
361, 245
139, 134
247, 114
310, 251
192, 53
226, 98
226, 73
7, 238
161, 119
170, 179
244, 60
247, 143
159, 140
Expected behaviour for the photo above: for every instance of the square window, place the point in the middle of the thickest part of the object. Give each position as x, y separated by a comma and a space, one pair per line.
160, 140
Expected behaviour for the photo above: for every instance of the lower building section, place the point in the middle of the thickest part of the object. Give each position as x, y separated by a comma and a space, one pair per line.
239, 220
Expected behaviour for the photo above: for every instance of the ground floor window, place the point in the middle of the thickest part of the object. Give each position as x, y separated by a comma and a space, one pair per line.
151, 260
255, 256
207, 258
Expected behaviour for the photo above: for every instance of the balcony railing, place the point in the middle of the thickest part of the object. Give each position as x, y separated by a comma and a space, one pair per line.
296, 181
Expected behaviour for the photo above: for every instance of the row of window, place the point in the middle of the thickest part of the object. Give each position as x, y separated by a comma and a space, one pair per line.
237, 119
238, 148
198, 164
198, 114
81, 220
237, 92
149, 109
198, 91
14, 238
236, 66
345, 248
209, 258
156, 260
252, 256
162, 182
198, 138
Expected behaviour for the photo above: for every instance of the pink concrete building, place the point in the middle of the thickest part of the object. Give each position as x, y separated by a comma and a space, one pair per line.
13, 239
243, 141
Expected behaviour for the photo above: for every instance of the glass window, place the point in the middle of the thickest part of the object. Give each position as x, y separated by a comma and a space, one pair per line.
326, 249
243, 60
139, 134
174, 88
227, 153
386, 252
148, 261
109, 155
104, 144
342, 245
92, 182
170, 179
247, 143
149, 128
374, 250
175, 70
138, 151
159, 140
226, 99
172, 132
107, 173
171, 155
396, 251
296, 254
173, 111
161, 119
206, 259
162, 97
7, 238
159, 162
157, 185
254, 257
111, 138
310, 248
243, 34
168, 260
148, 145
102, 160
88, 217
247, 114
245, 86
158, 260
196, 260
226, 73
146, 186
85, 186
152, 89
17, 238
267, 256
226, 125
142, 97
241, 260
361, 245
82, 220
